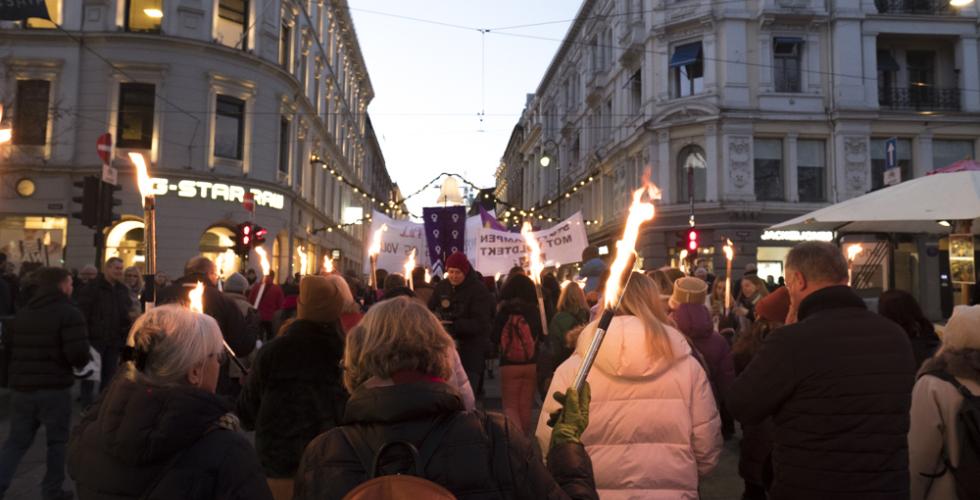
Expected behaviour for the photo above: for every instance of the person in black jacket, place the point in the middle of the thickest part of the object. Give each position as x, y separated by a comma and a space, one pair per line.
47, 341
518, 360
396, 366
464, 306
223, 309
105, 304
294, 391
159, 431
838, 386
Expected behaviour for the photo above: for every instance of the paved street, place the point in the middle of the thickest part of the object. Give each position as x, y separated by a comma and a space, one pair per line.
724, 483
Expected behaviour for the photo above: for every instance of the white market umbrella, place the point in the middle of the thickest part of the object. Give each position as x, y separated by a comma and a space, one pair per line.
914, 206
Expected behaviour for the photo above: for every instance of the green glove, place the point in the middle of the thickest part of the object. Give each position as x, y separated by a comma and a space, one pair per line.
573, 418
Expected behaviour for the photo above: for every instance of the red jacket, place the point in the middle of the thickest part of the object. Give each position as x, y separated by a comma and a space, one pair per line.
272, 299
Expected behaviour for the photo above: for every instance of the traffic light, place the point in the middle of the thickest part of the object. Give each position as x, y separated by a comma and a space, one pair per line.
244, 238
89, 201
258, 235
108, 204
692, 240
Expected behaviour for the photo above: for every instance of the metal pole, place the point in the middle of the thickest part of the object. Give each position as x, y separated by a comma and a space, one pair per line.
150, 250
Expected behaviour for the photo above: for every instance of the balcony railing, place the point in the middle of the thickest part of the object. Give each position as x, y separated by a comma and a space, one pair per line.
920, 98
920, 7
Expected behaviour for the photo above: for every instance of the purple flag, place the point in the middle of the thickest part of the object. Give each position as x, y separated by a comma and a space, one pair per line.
444, 232
489, 221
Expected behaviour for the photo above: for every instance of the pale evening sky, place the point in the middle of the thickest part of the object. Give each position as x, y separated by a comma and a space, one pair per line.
428, 86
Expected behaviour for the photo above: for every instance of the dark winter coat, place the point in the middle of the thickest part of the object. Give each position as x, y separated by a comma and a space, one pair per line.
224, 310
106, 309
470, 306
694, 321
293, 393
531, 314
480, 457
558, 349
139, 435
838, 385
47, 341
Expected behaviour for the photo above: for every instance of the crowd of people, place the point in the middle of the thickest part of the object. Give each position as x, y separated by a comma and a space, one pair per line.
352, 389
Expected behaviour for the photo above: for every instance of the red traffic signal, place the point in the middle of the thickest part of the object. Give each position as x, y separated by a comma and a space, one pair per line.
692, 240
244, 238
258, 235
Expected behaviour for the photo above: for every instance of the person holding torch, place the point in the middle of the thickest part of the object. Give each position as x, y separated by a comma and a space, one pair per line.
656, 429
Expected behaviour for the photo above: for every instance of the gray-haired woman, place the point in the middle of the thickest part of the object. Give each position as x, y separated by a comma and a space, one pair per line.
159, 431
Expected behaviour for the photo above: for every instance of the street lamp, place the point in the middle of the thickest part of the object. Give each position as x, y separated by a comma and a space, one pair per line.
545, 161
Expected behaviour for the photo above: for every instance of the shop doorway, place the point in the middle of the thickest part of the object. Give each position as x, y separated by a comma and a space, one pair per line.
125, 241
39, 241
217, 243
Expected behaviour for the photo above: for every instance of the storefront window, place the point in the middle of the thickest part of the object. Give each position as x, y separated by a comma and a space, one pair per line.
947, 152
39, 240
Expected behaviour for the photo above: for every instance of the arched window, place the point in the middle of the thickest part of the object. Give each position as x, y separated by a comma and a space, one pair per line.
125, 240
692, 174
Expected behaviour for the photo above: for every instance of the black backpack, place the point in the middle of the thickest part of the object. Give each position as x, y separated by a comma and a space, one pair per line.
967, 474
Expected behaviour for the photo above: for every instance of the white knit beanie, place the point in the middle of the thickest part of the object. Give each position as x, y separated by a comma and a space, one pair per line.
963, 329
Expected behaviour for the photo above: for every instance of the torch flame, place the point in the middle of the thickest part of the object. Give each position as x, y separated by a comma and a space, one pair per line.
410, 264
223, 260
303, 260
142, 177
5, 134
640, 211
375, 247
853, 251
263, 260
533, 252
728, 249
428, 276
197, 298
327, 264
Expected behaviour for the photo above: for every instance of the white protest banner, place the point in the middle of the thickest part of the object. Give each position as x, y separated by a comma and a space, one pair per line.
498, 251
397, 242
472, 234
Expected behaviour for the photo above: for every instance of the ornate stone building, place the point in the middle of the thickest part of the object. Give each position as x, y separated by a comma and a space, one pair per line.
222, 96
747, 112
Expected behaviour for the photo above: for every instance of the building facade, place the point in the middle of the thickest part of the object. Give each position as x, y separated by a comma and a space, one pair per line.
747, 113
223, 97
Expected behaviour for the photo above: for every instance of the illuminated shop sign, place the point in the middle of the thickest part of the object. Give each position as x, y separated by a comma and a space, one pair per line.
798, 236
230, 193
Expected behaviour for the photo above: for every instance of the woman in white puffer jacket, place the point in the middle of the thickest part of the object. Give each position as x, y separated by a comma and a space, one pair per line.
654, 428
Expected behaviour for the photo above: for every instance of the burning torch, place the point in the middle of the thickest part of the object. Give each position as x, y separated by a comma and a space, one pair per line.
149, 227
196, 296
537, 267
409, 267
373, 252
264, 263
641, 211
327, 264
852, 253
729, 250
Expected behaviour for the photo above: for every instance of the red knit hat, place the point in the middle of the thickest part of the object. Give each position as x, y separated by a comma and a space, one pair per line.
459, 261
775, 306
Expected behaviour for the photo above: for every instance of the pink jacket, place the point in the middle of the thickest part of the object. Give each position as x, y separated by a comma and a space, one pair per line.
654, 429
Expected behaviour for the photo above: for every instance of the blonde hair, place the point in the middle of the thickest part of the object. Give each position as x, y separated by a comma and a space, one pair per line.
396, 334
172, 340
718, 289
662, 281
642, 299
572, 298
760, 286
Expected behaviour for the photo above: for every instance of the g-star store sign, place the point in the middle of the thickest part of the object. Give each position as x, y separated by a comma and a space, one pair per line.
230, 193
